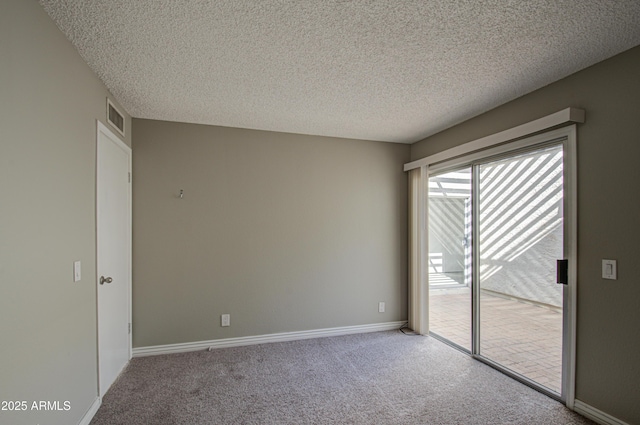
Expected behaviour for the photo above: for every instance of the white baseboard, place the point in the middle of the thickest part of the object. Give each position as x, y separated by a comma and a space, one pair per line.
596, 415
86, 419
263, 339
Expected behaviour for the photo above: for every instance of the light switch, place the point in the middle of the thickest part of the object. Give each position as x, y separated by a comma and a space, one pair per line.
609, 269
77, 271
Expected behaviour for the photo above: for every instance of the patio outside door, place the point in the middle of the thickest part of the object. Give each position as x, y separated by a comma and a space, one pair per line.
449, 262
520, 231
496, 229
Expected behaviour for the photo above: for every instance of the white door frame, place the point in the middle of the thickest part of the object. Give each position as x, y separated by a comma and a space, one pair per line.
465, 154
102, 129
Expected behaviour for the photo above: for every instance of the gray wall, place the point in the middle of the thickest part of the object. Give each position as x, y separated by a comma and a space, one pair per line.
608, 370
284, 232
49, 103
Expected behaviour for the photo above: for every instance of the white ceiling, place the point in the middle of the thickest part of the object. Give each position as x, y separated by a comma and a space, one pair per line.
387, 70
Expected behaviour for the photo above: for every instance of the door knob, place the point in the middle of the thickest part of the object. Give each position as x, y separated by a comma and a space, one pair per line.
104, 280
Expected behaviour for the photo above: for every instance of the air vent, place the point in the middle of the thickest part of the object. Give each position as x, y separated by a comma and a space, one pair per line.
115, 118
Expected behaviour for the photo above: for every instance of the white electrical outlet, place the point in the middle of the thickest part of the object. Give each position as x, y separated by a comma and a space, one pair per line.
225, 320
381, 307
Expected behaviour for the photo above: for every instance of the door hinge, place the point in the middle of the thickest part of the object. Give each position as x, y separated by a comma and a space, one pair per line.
562, 272
129, 177
129, 327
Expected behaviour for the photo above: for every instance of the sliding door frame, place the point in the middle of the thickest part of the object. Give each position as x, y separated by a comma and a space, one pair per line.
468, 154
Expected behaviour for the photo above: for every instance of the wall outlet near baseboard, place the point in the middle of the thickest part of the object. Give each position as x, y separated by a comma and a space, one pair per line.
225, 320
381, 307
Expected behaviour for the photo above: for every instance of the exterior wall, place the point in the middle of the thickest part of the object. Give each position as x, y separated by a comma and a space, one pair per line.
608, 176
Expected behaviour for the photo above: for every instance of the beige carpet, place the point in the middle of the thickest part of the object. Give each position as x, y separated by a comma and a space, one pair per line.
375, 378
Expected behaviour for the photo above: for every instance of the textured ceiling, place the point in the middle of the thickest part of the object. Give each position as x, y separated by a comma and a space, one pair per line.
393, 70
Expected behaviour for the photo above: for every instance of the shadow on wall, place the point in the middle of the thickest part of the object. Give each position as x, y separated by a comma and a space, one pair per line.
520, 226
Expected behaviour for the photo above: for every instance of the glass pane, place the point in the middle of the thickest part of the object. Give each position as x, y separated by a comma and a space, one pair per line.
520, 201
449, 261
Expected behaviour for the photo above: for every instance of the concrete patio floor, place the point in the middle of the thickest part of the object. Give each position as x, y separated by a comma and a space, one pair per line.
523, 337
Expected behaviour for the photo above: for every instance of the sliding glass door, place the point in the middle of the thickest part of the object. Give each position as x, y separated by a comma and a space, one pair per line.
449, 262
520, 232
495, 232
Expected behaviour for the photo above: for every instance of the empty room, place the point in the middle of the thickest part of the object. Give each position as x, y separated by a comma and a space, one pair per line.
306, 212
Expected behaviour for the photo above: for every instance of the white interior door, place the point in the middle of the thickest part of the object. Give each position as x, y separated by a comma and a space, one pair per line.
114, 256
